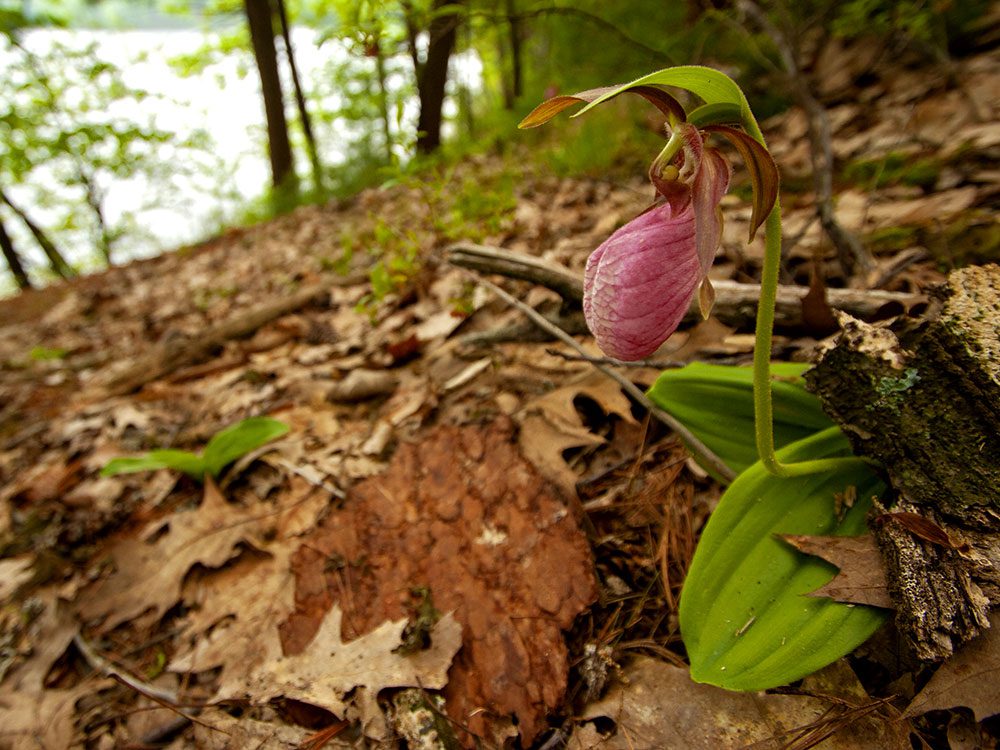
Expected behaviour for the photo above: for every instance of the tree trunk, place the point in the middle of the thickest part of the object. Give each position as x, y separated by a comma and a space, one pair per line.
13, 261
261, 23
434, 74
514, 26
300, 99
383, 100
57, 263
923, 399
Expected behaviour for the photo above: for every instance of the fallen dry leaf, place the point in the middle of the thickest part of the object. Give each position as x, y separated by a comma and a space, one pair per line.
860, 577
464, 516
658, 707
970, 678
328, 669
551, 425
32, 715
149, 570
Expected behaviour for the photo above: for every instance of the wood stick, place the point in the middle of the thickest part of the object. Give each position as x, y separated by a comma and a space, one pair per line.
735, 303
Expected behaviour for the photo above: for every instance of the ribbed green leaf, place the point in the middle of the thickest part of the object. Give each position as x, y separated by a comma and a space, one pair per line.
745, 618
716, 403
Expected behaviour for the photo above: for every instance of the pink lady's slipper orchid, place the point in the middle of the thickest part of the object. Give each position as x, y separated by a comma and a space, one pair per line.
640, 282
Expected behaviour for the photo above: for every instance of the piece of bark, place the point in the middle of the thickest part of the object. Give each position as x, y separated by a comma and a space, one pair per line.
735, 303
924, 401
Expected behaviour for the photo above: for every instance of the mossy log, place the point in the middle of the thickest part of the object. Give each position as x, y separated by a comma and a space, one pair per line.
923, 399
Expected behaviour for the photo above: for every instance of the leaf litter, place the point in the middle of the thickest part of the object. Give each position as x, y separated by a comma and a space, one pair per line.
494, 528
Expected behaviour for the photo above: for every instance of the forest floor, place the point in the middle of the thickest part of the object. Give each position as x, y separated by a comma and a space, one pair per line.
468, 530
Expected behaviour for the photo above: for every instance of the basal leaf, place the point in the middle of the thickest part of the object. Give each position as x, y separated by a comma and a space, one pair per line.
745, 618
716, 403
239, 439
177, 460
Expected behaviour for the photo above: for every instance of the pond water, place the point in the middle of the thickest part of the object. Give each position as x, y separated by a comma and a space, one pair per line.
224, 100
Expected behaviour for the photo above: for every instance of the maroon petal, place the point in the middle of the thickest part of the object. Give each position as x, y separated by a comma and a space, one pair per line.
640, 282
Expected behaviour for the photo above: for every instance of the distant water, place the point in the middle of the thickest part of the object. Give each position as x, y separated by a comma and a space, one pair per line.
218, 99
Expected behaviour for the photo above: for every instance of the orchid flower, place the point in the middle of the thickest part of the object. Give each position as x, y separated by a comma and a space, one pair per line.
640, 282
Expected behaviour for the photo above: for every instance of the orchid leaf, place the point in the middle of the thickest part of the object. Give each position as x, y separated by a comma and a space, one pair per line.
656, 96
715, 402
745, 616
762, 169
223, 448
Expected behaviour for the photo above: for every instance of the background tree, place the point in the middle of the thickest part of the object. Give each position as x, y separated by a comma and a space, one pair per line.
432, 72
260, 21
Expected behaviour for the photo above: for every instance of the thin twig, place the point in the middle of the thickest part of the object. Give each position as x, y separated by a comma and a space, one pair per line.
654, 364
166, 698
695, 445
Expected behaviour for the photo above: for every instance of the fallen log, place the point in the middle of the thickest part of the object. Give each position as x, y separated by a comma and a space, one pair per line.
923, 399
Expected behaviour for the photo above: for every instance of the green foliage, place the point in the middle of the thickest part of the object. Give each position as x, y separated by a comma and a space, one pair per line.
47, 354
224, 447
745, 618
716, 403
63, 139
895, 168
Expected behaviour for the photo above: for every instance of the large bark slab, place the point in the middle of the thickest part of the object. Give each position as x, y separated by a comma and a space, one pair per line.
924, 400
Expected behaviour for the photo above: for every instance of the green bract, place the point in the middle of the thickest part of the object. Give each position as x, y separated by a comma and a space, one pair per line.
224, 448
715, 402
745, 618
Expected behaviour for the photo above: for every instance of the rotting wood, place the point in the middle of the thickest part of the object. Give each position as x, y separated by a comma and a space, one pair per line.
735, 303
923, 399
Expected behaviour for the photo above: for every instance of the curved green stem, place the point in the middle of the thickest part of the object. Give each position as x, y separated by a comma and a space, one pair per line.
763, 409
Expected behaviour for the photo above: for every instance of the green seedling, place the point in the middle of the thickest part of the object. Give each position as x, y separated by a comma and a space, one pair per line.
224, 448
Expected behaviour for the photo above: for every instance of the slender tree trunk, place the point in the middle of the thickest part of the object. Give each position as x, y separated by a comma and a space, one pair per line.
13, 261
300, 99
514, 27
431, 83
261, 23
57, 262
383, 100
411, 39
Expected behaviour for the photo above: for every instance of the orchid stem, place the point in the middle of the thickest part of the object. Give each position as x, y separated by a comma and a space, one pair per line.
763, 408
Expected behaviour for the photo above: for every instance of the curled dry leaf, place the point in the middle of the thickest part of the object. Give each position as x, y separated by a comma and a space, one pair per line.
861, 577
658, 706
971, 678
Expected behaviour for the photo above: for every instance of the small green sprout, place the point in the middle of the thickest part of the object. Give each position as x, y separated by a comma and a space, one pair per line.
224, 447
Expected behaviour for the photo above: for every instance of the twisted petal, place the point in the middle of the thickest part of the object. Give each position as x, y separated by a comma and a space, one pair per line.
639, 283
